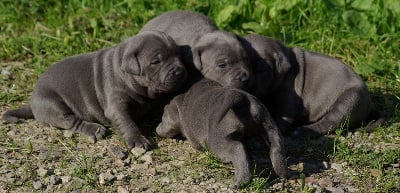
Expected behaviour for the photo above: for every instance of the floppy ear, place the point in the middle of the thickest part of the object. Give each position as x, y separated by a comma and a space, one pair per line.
130, 62
282, 61
196, 53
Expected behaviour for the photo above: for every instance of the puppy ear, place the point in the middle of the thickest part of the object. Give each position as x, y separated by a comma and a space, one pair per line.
130, 62
196, 53
282, 62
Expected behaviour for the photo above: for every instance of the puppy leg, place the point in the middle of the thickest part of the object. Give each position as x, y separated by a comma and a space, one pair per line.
349, 110
170, 125
121, 118
232, 151
224, 142
272, 135
51, 109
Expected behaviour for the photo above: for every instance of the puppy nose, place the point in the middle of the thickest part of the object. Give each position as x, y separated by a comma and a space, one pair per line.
243, 77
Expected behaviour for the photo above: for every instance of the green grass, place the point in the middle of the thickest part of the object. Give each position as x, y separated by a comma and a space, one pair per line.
362, 33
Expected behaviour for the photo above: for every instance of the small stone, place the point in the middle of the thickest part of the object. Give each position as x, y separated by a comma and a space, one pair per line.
43, 172
166, 180
116, 152
335, 189
352, 189
121, 176
121, 189
105, 178
37, 185
337, 167
11, 133
54, 180
395, 165
66, 179
152, 171
137, 151
68, 133
147, 158
140, 166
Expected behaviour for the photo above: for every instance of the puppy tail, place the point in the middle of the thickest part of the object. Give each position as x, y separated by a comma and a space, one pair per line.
17, 115
375, 119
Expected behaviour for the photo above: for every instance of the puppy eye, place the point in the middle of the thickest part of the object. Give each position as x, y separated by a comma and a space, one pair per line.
155, 61
221, 65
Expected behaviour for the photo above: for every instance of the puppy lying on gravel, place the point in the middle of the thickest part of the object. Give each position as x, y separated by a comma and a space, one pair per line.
218, 55
310, 92
114, 84
217, 118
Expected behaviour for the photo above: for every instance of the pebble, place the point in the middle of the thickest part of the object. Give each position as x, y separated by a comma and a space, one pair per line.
121, 189
140, 166
116, 151
105, 178
43, 172
137, 151
352, 189
54, 180
68, 133
335, 189
66, 179
337, 167
37, 185
147, 159
121, 176
166, 180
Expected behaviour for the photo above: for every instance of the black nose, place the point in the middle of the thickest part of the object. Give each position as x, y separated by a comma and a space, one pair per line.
243, 77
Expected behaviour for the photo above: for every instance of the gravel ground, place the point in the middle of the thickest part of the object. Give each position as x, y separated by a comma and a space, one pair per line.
38, 158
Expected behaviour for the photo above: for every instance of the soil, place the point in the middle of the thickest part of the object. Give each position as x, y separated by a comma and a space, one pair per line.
39, 158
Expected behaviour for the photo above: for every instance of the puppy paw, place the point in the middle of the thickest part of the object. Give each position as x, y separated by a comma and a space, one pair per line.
94, 131
138, 141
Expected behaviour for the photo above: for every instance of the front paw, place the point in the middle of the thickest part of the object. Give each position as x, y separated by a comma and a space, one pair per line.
94, 131
138, 141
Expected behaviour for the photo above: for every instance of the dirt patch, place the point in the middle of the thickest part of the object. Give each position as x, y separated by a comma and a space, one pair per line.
39, 158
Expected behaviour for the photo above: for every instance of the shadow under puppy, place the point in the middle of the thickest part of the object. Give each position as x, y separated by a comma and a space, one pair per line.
218, 118
113, 84
217, 55
307, 93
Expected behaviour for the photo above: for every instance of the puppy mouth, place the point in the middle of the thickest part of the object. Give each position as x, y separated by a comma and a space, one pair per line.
175, 77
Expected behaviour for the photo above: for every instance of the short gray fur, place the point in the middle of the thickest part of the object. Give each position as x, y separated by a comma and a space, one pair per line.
116, 84
218, 118
308, 93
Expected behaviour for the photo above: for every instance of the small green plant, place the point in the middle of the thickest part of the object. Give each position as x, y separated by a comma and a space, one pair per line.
86, 171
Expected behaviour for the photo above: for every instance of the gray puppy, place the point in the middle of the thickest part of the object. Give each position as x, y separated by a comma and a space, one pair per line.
113, 84
218, 118
312, 92
218, 55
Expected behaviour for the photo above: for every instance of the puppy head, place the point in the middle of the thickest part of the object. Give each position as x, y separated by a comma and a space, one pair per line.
153, 60
270, 60
220, 57
272, 54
